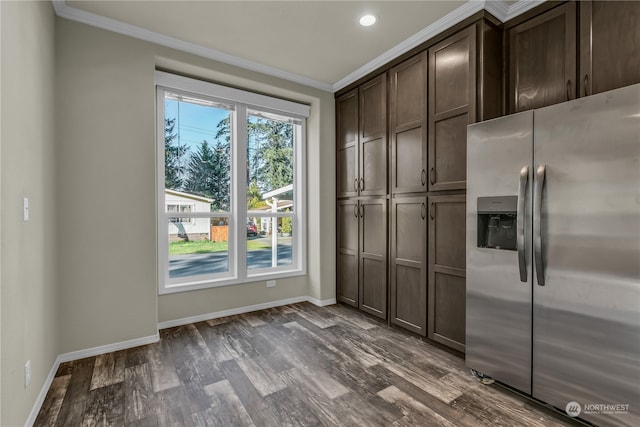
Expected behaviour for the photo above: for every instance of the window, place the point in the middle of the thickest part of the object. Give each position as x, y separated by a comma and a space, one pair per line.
230, 185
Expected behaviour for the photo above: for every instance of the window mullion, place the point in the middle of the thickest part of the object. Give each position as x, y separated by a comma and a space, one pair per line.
239, 166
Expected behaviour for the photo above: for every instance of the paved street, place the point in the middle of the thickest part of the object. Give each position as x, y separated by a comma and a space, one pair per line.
218, 262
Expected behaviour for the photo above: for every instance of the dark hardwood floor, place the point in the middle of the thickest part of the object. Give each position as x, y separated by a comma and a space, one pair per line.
298, 365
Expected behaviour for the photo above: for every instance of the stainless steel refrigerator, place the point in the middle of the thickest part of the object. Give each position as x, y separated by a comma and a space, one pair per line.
553, 254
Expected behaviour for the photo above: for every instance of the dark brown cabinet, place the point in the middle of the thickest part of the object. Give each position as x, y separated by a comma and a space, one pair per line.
407, 125
347, 220
361, 169
362, 254
447, 264
408, 283
347, 178
609, 45
465, 86
542, 59
452, 79
373, 138
362, 140
373, 257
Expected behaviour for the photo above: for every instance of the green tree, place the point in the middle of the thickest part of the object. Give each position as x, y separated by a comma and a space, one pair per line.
209, 174
173, 154
269, 153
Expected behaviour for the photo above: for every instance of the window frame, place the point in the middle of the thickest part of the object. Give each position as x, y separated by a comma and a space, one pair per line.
242, 102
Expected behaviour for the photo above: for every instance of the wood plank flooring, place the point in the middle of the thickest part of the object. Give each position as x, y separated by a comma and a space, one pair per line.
297, 365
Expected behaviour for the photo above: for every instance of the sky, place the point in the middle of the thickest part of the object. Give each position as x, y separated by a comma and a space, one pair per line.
194, 123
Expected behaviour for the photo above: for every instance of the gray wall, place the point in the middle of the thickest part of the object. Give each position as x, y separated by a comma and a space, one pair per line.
29, 297
106, 150
78, 131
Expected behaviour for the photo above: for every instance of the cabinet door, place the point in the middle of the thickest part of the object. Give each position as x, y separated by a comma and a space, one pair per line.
347, 144
347, 252
408, 302
407, 122
542, 60
373, 137
447, 290
373, 257
452, 106
609, 45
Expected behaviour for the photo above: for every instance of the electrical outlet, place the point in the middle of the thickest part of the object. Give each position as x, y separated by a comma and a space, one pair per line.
27, 373
271, 283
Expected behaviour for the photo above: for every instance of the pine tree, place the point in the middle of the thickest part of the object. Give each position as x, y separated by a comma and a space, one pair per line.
209, 174
173, 154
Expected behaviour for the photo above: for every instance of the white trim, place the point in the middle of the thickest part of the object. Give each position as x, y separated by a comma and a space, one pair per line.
94, 20
108, 348
322, 303
498, 8
230, 312
231, 95
520, 7
35, 410
442, 24
76, 355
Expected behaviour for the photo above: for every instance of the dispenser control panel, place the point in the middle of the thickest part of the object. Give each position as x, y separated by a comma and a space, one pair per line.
497, 217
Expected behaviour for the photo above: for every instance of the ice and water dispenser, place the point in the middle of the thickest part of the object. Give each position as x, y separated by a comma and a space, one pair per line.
497, 222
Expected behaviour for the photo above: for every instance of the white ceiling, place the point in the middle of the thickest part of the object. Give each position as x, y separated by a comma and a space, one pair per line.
318, 43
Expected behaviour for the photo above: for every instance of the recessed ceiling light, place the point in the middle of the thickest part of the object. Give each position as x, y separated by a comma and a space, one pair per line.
367, 20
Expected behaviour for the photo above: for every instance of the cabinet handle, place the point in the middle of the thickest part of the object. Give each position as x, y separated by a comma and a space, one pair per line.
361, 211
355, 185
361, 184
568, 90
431, 213
423, 211
586, 84
432, 176
355, 210
423, 177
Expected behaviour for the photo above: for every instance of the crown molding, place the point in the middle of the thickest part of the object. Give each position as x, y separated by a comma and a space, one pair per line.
442, 24
522, 6
94, 20
498, 8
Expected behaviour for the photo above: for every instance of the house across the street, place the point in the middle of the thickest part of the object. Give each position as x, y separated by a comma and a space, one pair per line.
184, 227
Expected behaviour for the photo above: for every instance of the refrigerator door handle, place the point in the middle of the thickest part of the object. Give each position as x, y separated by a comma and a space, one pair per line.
522, 196
537, 223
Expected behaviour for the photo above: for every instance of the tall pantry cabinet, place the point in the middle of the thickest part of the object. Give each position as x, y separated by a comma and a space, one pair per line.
431, 97
362, 197
408, 135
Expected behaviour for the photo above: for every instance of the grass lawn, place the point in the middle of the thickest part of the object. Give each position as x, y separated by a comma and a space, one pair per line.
206, 246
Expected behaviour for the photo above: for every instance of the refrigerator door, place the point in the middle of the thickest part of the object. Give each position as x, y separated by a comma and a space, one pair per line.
498, 314
586, 292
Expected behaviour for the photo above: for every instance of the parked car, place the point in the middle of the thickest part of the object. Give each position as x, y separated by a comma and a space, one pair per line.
252, 230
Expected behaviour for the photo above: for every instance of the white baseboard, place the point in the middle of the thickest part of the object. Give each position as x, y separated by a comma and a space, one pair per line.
322, 303
242, 310
80, 354
108, 348
43, 393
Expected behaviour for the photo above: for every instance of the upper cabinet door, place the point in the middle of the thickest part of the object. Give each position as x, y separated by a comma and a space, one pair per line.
347, 144
452, 106
609, 45
373, 137
542, 60
407, 125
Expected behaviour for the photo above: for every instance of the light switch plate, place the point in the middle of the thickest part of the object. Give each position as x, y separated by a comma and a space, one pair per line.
271, 283
25, 209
